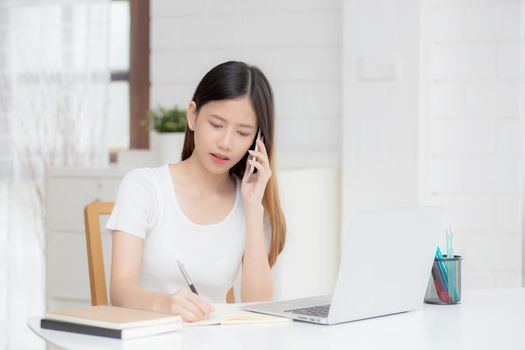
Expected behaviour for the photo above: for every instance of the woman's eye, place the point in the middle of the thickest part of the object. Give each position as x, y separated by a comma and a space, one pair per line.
243, 134
215, 125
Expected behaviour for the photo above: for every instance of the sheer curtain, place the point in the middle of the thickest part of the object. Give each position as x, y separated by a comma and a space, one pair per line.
54, 80
522, 139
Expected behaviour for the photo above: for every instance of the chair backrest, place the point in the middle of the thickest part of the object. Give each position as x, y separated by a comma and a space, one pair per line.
97, 276
97, 279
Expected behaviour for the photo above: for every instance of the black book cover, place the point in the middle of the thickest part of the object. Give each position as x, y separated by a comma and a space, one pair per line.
79, 328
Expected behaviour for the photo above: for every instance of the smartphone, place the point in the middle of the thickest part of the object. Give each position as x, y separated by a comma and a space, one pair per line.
255, 148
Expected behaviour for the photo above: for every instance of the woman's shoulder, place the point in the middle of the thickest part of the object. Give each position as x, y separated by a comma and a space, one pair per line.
144, 174
138, 201
147, 179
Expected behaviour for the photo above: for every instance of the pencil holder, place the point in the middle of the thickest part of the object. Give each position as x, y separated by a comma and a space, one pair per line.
444, 284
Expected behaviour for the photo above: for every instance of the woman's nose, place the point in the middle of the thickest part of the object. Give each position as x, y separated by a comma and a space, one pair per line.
225, 140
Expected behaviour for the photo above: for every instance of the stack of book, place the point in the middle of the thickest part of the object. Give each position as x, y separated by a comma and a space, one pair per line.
111, 321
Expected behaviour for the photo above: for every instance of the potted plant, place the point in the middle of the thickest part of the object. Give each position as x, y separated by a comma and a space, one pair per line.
167, 127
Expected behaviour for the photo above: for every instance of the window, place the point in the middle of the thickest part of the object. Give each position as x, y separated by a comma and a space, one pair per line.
129, 62
119, 57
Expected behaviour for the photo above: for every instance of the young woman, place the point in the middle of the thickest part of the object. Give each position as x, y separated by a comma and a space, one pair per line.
208, 211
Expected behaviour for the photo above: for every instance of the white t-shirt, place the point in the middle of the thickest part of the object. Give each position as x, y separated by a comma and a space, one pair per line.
147, 207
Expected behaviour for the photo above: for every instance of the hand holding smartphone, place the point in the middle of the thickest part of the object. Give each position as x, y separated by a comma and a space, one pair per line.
252, 169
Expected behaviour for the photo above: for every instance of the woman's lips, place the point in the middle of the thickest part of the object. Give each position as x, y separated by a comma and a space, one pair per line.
218, 160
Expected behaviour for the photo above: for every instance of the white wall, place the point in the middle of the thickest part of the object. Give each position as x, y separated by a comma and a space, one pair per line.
431, 115
426, 94
471, 133
380, 104
297, 44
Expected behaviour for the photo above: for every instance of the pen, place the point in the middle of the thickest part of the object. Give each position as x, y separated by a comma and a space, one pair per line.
187, 277
443, 269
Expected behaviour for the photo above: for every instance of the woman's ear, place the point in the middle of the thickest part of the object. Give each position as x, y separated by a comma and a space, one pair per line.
191, 115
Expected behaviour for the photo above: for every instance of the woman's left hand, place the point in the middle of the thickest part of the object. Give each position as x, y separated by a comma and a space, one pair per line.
253, 186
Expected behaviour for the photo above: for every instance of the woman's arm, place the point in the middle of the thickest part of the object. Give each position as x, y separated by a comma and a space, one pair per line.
124, 286
257, 280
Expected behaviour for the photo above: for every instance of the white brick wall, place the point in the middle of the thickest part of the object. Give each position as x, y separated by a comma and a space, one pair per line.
447, 98
3, 260
448, 136
473, 130
507, 214
493, 20
470, 136
297, 44
508, 137
491, 98
456, 61
508, 60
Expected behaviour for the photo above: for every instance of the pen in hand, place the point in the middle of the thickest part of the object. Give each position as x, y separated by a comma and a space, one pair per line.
187, 277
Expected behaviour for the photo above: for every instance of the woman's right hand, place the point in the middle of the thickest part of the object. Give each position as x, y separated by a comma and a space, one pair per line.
189, 305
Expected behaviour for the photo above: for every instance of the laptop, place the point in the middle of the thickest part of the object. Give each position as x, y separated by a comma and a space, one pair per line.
386, 261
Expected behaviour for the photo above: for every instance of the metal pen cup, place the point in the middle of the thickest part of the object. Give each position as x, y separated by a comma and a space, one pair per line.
444, 284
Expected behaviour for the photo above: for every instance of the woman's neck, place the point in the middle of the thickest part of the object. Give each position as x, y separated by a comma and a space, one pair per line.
201, 180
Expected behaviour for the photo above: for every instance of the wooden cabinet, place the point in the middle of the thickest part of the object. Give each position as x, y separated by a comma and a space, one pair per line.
68, 191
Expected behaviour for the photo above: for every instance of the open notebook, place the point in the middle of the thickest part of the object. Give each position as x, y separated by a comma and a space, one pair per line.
226, 314
124, 323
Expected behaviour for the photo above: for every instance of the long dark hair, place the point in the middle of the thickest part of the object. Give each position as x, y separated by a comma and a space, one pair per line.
235, 79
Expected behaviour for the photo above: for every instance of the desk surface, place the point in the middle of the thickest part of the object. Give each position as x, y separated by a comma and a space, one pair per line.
486, 319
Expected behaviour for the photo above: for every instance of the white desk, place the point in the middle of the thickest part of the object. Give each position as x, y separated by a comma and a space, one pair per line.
486, 319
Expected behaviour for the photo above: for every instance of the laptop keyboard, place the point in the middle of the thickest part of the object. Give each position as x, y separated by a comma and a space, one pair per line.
319, 310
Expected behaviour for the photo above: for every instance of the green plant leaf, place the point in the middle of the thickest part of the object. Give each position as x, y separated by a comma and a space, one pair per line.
167, 119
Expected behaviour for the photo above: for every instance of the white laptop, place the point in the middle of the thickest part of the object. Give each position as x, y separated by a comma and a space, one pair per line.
386, 262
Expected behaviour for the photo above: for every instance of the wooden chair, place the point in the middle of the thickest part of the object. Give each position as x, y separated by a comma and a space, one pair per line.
97, 276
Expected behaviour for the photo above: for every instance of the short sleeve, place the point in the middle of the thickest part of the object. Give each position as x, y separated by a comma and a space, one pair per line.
135, 204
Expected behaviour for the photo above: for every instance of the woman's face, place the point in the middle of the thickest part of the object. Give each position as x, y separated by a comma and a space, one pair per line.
224, 130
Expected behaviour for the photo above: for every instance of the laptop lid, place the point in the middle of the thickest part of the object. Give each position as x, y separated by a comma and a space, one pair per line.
386, 260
